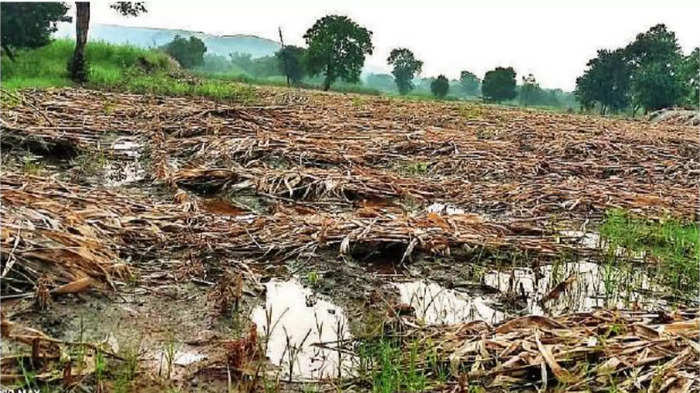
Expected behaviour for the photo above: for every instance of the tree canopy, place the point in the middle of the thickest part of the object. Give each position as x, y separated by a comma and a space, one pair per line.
291, 63
188, 52
29, 25
337, 47
440, 86
499, 84
650, 73
469, 83
406, 67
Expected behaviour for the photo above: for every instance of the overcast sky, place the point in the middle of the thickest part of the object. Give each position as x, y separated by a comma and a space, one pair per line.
550, 39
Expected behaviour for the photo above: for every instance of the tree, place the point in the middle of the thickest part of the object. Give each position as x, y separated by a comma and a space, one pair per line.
337, 47
188, 52
29, 25
77, 66
656, 86
406, 67
469, 83
655, 59
440, 86
656, 45
499, 85
291, 63
690, 75
384, 82
530, 92
606, 81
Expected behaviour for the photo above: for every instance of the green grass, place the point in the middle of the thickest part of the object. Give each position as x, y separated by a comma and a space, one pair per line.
673, 247
113, 67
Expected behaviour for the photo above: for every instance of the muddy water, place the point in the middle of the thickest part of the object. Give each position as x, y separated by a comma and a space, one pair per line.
293, 320
434, 304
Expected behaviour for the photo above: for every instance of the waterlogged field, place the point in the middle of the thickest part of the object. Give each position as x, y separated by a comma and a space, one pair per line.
305, 241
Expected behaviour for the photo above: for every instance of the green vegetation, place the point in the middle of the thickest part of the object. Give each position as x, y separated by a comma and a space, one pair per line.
26, 25
291, 63
649, 73
117, 67
337, 49
499, 85
406, 67
673, 246
189, 53
469, 83
440, 86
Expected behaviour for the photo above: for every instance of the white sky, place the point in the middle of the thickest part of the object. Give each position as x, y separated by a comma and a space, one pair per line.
550, 39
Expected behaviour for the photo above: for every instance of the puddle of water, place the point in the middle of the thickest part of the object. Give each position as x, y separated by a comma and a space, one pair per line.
447, 209
585, 239
121, 172
187, 358
589, 286
435, 304
296, 319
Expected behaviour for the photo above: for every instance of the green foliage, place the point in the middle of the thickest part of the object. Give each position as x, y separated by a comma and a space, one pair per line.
530, 90
673, 245
499, 85
118, 67
650, 73
469, 83
440, 86
655, 86
406, 67
690, 75
29, 25
337, 47
260, 67
383, 82
291, 63
605, 82
189, 53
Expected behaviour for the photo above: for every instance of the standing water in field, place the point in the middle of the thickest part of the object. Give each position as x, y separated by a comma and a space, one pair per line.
434, 304
292, 321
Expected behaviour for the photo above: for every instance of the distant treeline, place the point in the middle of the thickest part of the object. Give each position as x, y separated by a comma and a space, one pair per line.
649, 73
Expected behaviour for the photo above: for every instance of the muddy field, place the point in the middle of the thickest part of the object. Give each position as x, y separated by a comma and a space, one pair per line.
338, 242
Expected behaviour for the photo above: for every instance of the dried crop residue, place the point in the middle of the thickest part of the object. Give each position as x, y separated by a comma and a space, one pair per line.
195, 203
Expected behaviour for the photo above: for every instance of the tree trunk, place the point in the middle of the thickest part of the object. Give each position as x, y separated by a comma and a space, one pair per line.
8, 51
327, 83
77, 66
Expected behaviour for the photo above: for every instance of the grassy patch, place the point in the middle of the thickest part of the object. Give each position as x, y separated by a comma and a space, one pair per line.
114, 67
671, 245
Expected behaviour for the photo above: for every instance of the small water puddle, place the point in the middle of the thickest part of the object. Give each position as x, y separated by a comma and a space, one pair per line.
294, 319
574, 287
434, 304
127, 170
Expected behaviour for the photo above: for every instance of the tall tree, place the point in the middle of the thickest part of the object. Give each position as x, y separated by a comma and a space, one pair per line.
690, 75
606, 81
530, 91
655, 58
469, 83
291, 63
406, 67
188, 52
499, 84
440, 86
337, 47
29, 25
77, 66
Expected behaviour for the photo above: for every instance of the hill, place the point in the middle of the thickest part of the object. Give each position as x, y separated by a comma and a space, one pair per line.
149, 37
